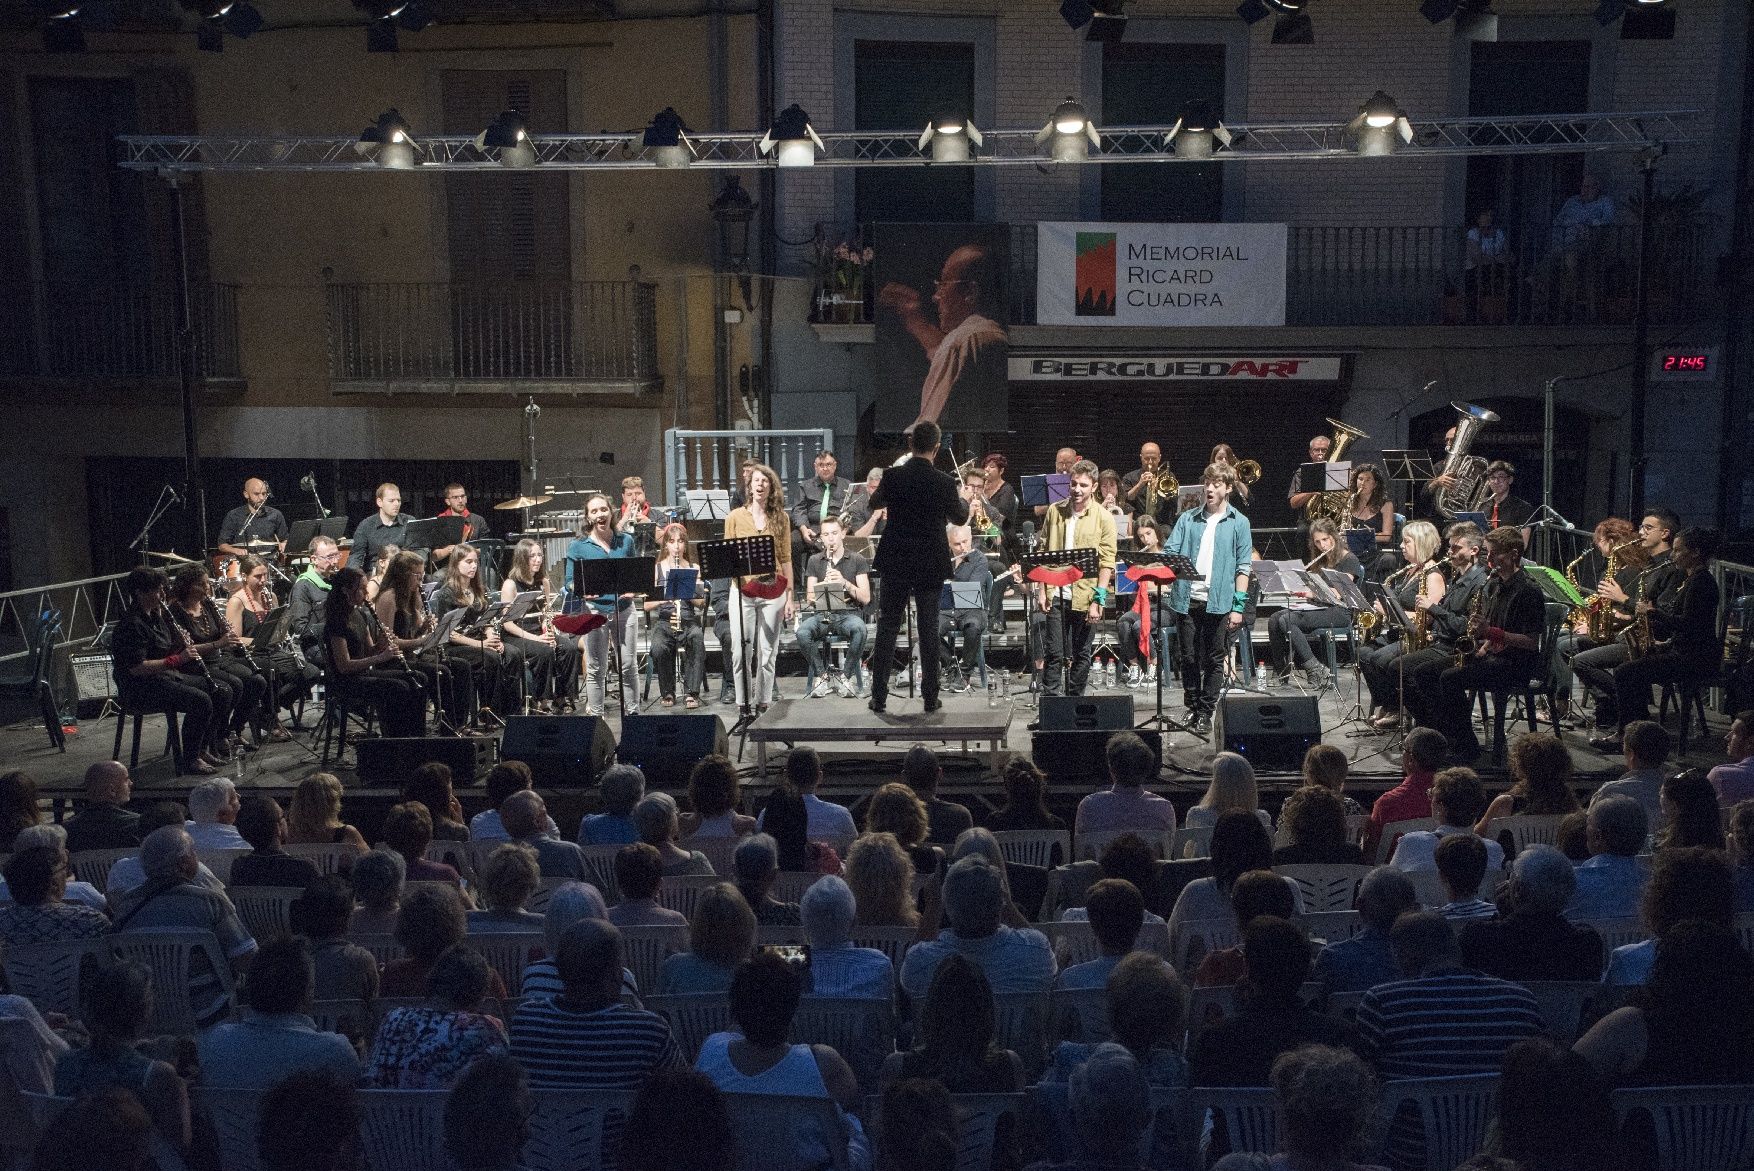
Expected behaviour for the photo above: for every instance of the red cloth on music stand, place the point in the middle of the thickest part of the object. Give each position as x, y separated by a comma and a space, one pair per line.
1162, 575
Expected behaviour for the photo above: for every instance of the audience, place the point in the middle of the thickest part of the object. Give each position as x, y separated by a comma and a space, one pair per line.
826, 821
656, 819
1461, 867
408, 831
572, 902
487, 1115
787, 820
506, 881
1232, 787
956, 1042
1115, 913
428, 1046
917, 1127
524, 816
756, 865
897, 810
213, 815
921, 772
1109, 1101
1240, 843
1611, 883
1553, 1112
881, 877
1421, 756
1126, 857
18, 806
1691, 815
103, 822
1646, 745
274, 1037
263, 826
1532, 940
1024, 884
36, 878
1271, 1019
1254, 894
639, 872
838, 968
1325, 767
1741, 839
585, 1038
1457, 801
1688, 882
1013, 959
431, 785
1025, 806
1540, 775
720, 937
323, 914
504, 779
1327, 1104
1573, 835
1313, 821
313, 816
1125, 804
678, 1122
1734, 781
1147, 1016
377, 878
126, 873
309, 1122
716, 796
115, 1004
1368, 958
431, 921
621, 789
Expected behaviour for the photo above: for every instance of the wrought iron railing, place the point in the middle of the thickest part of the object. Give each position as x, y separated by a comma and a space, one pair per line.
596, 334
709, 459
116, 331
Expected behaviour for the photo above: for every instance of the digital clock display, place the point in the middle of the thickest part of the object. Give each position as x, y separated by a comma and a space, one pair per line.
1686, 363
1692, 365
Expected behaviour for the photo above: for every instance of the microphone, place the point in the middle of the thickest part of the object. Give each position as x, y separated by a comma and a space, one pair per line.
176, 497
308, 483
1026, 533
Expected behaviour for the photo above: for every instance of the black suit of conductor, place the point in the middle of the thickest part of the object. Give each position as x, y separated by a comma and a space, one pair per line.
913, 559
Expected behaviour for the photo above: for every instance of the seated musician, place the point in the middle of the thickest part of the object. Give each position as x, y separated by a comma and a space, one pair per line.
835, 565
475, 645
1135, 657
310, 590
475, 527
1445, 616
1379, 660
1288, 630
1615, 543
1674, 640
290, 674
363, 663
401, 608
155, 669
254, 525
967, 565
1656, 583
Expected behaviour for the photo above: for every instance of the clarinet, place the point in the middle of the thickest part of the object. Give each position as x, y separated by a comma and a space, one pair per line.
189, 647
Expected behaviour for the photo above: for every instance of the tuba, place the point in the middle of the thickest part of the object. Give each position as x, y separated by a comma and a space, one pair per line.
1334, 505
1469, 492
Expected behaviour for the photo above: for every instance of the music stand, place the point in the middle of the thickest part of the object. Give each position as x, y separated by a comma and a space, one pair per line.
1554, 585
1155, 561
435, 532
707, 503
736, 557
303, 532
594, 577
1040, 566
1410, 465
1044, 490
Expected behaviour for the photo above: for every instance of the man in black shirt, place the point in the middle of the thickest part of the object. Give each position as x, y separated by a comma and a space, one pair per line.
815, 629
1139, 487
1685, 645
310, 594
824, 495
263, 825
1446, 619
384, 527
1506, 642
254, 521
105, 823
969, 566
1502, 509
475, 527
1657, 584
155, 671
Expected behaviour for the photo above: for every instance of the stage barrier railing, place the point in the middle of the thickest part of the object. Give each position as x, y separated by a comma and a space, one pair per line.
82, 606
709, 459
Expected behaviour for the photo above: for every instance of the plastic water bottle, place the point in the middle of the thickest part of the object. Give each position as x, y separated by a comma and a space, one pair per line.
1004, 684
992, 691
237, 762
1108, 673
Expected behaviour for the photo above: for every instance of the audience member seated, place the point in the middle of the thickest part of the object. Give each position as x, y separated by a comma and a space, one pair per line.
1532, 940
957, 1036
786, 819
658, 824
36, 877
720, 936
898, 811
263, 826
506, 881
837, 968
323, 915
1691, 815
313, 816
826, 821
1741, 839
1128, 858
1734, 781
1232, 787
1240, 843
651, 1140
1689, 882
1573, 836
512, 776
1013, 959
585, 1038
1314, 821
1457, 801
525, 818
881, 877
431, 785
377, 878
273, 1036
125, 872
170, 898
1368, 958
945, 820
115, 1133
309, 1122
1270, 1018
432, 920
104, 822
213, 815
1125, 804
757, 1059
917, 1127
1646, 745
639, 872
716, 797
408, 831
1325, 767
1611, 883
1421, 756
19, 807
1461, 867
1540, 776
1025, 806
1109, 1100
1147, 1016
620, 789
428, 1046
1115, 914
1553, 1111
572, 902
115, 1003
487, 1115
1327, 1107
1025, 885
1255, 893
1690, 1025
756, 865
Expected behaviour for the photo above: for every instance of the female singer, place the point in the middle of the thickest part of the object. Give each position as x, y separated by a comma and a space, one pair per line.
401, 608
363, 662
1288, 630
1421, 575
677, 623
1370, 506
1222, 454
1149, 531
290, 675
554, 663
760, 605
481, 653
192, 608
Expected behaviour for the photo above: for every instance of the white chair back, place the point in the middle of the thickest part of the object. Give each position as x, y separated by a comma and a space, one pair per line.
327, 857
644, 950
1454, 1113
47, 974
977, 1118
403, 1130
1527, 829
384, 948
169, 956
93, 866
1332, 926
718, 851
265, 910
235, 1118
507, 952
1391, 833
1195, 938
693, 1018
1618, 932
765, 1124
1035, 847
1090, 845
862, 1030
680, 892
567, 1129
1698, 1128
1325, 888
219, 861
891, 941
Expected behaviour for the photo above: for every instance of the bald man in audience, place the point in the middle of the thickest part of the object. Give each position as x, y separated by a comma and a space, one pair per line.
104, 823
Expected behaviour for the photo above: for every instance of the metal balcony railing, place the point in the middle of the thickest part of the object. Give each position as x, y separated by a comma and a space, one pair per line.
570, 336
114, 331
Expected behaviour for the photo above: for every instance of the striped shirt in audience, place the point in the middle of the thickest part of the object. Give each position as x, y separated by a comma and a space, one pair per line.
614, 1048
1464, 909
1445, 1024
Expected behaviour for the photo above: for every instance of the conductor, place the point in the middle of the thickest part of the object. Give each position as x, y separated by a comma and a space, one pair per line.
913, 558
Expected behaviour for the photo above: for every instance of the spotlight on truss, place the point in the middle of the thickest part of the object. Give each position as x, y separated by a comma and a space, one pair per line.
791, 139
1381, 126
667, 140
1197, 131
389, 142
1072, 133
950, 138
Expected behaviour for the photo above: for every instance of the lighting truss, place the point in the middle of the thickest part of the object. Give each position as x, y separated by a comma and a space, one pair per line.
1433, 138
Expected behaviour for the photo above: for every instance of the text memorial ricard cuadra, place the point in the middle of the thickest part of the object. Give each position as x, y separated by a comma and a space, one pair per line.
1154, 282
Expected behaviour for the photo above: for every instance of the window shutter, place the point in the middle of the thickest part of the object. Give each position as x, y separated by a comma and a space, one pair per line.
506, 226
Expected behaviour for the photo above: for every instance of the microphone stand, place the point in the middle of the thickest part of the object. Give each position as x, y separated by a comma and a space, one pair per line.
159, 508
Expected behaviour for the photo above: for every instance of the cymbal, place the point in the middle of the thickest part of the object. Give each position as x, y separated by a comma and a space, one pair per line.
178, 558
523, 502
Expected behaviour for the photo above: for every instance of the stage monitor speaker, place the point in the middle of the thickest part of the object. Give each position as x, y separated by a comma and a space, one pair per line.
666, 748
1084, 713
391, 760
1080, 758
562, 751
1273, 732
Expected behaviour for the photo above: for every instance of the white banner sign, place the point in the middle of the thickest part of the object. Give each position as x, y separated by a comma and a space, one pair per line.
1160, 274
1170, 368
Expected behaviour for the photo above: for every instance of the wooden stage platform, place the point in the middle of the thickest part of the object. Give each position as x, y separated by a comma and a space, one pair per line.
850, 721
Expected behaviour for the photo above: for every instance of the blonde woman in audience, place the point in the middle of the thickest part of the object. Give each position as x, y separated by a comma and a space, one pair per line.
721, 937
882, 878
506, 881
1325, 766
313, 817
897, 810
654, 816
1232, 788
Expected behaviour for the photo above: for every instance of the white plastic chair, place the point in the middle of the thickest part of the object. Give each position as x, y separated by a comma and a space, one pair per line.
327, 857
351, 1017
718, 851
1332, 926
1075, 942
508, 952
977, 1119
1035, 847
1618, 932
456, 855
1697, 1128
1079, 1014
1251, 1118
219, 861
545, 888
891, 941
1192, 842
693, 1018
235, 1115
384, 948
1325, 887
1022, 1026
680, 892
169, 956
403, 1130
1090, 845
265, 910
1562, 1003
1207, 1007
860, 1029
761, 1119
1527, 829
567, 1127
600, 870
1391, 834
1454, 1113
644, 950
47, 974
93, 866
1195, 938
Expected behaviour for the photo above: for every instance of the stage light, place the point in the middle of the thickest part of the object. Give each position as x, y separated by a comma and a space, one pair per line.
791, 139
1072, 132
1378, 126
508, 136
63, 31
389, 141
386, 16
1293, 26
667, 140
950, 138
1102, 20
1474, 19
1197, 130
219, 17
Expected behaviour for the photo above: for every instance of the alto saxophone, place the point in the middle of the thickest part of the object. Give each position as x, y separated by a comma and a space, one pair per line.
1470, 640
1639, 638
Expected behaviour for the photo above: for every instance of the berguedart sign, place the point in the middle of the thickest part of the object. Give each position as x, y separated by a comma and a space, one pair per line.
1160, 274
1171, 368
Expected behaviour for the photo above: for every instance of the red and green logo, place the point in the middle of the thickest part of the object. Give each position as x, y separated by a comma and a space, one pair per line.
1096, 274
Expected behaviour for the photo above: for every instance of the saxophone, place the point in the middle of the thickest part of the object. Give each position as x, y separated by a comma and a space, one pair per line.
1597, 612
1470, 640
1639, 638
